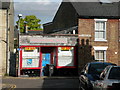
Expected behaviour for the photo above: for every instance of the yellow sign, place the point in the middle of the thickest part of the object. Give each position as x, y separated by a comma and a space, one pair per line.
30, 48
65, 48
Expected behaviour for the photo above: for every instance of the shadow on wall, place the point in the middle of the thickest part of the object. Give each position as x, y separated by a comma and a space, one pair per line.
86, 53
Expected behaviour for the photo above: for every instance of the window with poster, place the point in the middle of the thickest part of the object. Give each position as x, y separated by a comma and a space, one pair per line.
30, 57
65, 56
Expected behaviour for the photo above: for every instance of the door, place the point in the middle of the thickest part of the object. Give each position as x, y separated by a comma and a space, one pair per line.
45, 61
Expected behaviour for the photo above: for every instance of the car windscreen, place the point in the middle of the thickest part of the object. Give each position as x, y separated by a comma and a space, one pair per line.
114, 73
96, 68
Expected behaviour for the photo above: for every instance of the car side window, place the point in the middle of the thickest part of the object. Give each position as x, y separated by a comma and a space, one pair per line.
106, 70
103, 74
85, 69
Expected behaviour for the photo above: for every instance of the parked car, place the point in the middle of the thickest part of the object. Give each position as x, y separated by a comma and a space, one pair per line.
109, 79
90, 73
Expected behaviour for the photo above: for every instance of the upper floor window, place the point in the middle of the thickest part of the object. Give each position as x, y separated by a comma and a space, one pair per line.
100, 29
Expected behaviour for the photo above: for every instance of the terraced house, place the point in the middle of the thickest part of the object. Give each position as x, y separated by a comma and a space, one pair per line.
97, 25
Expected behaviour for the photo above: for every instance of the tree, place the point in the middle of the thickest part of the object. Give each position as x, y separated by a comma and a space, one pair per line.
31, 21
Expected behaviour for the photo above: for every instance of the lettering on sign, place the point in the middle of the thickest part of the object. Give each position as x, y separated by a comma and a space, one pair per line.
65, 48
48, 40
30, 48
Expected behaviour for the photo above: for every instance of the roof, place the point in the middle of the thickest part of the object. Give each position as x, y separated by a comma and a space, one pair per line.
97, 9
35, 32
91, 0
4, 5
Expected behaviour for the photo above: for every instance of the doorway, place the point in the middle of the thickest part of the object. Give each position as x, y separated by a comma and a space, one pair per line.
47, 59
45, 63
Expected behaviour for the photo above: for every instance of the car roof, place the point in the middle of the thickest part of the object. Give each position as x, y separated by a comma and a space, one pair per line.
114, 66
102, 63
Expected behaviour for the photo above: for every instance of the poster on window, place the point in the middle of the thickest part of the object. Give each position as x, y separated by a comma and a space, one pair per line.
30, 57
65, 56
30, 63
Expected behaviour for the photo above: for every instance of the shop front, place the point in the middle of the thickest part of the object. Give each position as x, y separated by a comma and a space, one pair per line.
36, 57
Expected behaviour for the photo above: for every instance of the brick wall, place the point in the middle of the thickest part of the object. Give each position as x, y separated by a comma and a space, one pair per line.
112, 37
119, 45
86, 33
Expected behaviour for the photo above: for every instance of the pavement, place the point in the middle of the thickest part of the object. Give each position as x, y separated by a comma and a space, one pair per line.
47, 81
8, 86
4, 86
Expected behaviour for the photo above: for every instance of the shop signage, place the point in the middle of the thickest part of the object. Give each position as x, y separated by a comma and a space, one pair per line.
48, 40
30, 48
18, 49
65, 48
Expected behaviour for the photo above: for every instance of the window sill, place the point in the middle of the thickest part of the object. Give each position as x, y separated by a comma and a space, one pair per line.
100, 40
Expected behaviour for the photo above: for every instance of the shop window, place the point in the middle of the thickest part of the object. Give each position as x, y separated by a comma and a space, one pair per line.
30, 57
65, 56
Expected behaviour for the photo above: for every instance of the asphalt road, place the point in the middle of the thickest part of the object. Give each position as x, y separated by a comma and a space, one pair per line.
43, 83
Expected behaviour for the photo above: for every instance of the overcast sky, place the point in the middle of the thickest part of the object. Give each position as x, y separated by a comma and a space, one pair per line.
43, 9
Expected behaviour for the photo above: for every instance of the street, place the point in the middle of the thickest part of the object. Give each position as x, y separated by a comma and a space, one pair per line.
43, 83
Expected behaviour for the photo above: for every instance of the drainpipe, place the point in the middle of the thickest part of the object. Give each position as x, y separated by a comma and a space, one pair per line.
7, 45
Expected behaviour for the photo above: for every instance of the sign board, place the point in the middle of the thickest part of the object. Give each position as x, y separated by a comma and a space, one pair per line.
84, 35
65, 48
18, 49
30, 48
48, 40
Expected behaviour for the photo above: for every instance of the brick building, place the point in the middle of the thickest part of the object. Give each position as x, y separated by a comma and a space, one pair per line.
97, 25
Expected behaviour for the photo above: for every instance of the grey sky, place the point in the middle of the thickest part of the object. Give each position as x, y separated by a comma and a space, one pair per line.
43, 9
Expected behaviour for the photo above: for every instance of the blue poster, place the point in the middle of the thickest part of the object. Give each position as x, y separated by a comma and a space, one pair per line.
29, 61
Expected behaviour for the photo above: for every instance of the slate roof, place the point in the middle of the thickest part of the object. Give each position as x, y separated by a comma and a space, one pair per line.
97, 9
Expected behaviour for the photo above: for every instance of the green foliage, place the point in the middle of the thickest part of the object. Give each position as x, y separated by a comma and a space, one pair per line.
6, 74
31, 21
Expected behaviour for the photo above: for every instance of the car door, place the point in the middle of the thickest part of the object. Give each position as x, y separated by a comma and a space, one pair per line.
83, 77
100, 83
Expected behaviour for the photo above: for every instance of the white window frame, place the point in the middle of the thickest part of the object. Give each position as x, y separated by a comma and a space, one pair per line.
100, 48
101, 20
104, 59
